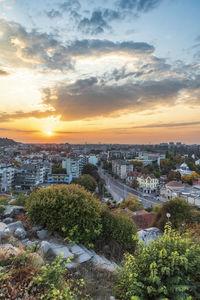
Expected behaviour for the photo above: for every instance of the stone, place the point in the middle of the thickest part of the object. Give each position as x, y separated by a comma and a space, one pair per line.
30, 244
4, 231
8, 220
43, 234
112, 298
52, 249
20, 233
36, 228
13, 226
12, 201
13, 210
149, 234
82, 255
71, 265
7, 251
102, 263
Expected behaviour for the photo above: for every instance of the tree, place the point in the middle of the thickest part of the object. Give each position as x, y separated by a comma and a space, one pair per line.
173, 175
132, 203
190, 178
87, 181
57, 169
92, 171
181, 212
68, 209
134, 183
167, 269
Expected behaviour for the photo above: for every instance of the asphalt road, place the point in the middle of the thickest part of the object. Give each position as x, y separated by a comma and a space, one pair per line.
120, 191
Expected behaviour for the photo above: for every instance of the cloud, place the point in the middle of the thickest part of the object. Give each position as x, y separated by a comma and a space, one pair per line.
98, 47
95, 25
88, 98
18, 130
138, 5
52, 14
5, 117
182, 124
41, 51
4, 73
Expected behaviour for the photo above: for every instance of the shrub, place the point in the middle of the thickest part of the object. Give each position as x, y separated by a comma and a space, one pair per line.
87, 181
119, 228
69, 209
132, 203
180, 210
166, 269
21, 199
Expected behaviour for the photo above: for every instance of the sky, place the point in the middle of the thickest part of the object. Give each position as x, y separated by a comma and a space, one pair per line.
115, 71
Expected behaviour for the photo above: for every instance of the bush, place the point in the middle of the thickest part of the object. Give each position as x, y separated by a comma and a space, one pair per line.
167, 269
21, 199
69, 209
180, 210
132, 203
119, 228
87, 181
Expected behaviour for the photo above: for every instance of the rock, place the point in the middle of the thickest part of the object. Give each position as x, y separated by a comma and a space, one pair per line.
32, 243
4, 231
43, 234
112, 298
12, 201
71, 265
36, 228
8, 220
53, 249
7, 251
149, 234
20, 233
102, 263
13, 210
13, 226
82, 255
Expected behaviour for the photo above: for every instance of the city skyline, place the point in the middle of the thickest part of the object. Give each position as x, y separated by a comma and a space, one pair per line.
114, 72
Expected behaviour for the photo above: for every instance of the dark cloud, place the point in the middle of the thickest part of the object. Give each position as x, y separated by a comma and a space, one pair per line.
52, 14
5, 117
182, 124
138, 5
4, 73
90, 98
94, 25
101, 47
32, 49
70, 5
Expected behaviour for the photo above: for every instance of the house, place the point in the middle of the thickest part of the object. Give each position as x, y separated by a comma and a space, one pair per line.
121, 168
148, 183
184, 169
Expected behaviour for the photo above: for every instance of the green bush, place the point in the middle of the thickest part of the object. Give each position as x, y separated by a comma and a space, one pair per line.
167, 269
87, 181
21, 199
69, 209
119, 228
180, 210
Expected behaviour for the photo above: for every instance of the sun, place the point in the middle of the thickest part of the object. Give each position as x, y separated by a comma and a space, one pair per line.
48, 133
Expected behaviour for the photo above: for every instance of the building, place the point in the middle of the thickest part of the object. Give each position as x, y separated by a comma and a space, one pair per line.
148, 183
184, 169
74, 165
121, 168
59, 178
6, 177
93, 159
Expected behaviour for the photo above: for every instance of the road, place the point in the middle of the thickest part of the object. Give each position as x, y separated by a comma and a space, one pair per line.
120, 191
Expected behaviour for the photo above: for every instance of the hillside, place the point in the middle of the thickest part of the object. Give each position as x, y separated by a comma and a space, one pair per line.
7, 142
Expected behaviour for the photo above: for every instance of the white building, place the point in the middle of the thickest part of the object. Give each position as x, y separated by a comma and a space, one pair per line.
74, 165
93, 159
148, 183
184, 169
6, 178
121, 168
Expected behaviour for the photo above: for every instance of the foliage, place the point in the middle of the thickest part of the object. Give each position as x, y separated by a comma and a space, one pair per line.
69, 209
107, 166
173, 175
180, 210
190, 178
119, 228
92, 171
4, 201
52, 280
57, 169
87, 181
132, 203
21, 199
2, 209
137, 163
134, 183
167, 269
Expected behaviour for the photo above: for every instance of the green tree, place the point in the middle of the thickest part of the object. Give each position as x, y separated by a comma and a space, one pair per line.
181, 212
87, 181
134, 183
92, 171
132, 203
68, 209
173, 175
168, 269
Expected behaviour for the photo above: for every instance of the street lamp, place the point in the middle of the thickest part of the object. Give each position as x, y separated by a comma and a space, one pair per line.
168, 216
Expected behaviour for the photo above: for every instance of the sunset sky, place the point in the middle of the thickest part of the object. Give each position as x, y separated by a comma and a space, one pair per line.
115, 71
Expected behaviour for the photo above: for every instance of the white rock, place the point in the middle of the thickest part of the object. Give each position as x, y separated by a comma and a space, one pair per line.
4, 231
12, 201
13, 210
8, 220
13, 226
149, 234
43, 234
20, 233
